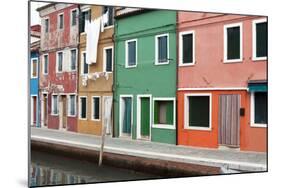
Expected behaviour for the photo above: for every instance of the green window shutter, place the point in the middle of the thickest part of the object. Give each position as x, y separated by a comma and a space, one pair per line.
170, 113
261, 39
233, 43
187, 48
156, 110
145, 117
261, 107
199, 111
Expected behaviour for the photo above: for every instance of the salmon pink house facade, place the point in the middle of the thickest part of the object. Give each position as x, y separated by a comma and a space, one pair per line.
58, 67
222, 81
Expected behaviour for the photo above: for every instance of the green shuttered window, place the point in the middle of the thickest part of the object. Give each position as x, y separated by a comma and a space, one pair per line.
260, 107
261, 39
198, 112
233, 43
164, 112
187, 48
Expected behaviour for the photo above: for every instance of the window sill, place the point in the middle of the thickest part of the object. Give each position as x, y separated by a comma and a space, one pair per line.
259, 59
45, 74
187, 64
108, 27
162, 63
34, 77
256, 125
95, 119
130, 67
71, 116
233, 61
54, 114
163, 126
82, 118
198, 128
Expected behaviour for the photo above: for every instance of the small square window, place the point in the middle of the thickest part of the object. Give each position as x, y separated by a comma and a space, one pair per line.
259, 109
163, 112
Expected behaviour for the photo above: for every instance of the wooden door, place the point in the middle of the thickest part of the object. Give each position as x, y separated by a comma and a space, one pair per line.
229, 120
145, 117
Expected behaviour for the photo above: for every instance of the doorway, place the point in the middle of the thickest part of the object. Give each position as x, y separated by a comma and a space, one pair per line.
229, 120
33, 111
144, 117
126, 115
44, 109
63, 112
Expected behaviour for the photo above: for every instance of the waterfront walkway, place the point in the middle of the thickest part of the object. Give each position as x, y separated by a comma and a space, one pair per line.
228, 160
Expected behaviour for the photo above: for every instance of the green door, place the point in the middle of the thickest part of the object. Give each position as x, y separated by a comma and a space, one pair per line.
127, 118
145, 117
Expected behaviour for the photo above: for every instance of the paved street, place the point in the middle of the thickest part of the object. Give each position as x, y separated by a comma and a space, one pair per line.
228, 160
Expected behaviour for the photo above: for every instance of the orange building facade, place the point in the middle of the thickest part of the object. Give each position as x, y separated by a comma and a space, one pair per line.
222, 81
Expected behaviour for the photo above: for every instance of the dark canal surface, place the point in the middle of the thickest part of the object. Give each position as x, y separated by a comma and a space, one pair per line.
49, 169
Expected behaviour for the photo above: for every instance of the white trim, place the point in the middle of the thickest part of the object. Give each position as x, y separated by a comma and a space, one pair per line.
83, 96
104, 58
58, 21
214, 88
31, 109
139, 114
43, 66
52, 105
181, 63
92, 108
76, 60
156, 50
82, 64
252, 111
186, 111
225, 27
69, 106
77, 12
132, 115
42, 109
165, 126
32, 68
126, 53
254, 32
57, 61
108, 27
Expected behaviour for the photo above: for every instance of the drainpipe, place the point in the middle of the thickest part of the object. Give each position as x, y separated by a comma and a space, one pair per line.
77, 68
177, 49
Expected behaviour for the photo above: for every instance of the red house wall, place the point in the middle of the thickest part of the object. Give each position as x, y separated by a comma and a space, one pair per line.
210, 71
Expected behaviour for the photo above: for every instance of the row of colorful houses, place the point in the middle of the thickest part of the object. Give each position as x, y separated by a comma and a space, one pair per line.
183, 78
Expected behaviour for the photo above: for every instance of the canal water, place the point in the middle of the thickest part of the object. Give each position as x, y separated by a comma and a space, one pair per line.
50, 169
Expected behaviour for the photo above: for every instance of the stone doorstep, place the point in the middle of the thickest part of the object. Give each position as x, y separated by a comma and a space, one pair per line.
223, 164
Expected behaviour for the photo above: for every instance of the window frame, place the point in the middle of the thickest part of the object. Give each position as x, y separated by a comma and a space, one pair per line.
76, 59
32, 108
52, 105
69, 104
80, 107
58, 21
86, 9
164, 126
82, 64
252, 111
186, 112
47, 18
104, 58
71, 19
92, 108
127, 53
57, 61
110, 26
156, 60
120, 114
32, 68
225, 27
254, 41
181, 63
43, 66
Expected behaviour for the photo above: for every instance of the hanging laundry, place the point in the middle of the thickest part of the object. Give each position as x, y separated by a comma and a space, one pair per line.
107, 114
93, 31
104, 20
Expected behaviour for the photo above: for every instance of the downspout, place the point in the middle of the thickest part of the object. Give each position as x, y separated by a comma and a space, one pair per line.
177, 49
78, 66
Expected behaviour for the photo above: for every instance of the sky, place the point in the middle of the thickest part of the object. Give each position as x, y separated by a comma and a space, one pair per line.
34, 15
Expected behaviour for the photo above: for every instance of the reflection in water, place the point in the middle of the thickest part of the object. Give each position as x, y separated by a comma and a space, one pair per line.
48, 169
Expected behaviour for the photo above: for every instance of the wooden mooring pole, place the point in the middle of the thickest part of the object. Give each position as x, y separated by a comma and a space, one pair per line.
102, 143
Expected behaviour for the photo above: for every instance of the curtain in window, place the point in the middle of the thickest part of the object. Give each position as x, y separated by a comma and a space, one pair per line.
187, 48
162, 49
233, 43
132, 53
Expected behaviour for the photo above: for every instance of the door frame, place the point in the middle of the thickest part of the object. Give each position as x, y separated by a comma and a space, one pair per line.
32, 110
42, 109
120, 119
139, 97
61, 111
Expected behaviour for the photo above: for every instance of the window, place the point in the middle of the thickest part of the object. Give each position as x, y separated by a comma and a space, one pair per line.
55, 102
46, 24
109, 12
233, 43
59, 61
259, 39
131, 53
164, 113
108, 59
34, 68
187, 48
73, 59
85, 66
72, 105
85, 16
96, 108
259, 109
198, 111
83, 108
74, 17
45, 64
161, 49
60, 21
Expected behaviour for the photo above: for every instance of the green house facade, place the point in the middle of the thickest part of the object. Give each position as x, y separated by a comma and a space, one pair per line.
145, 76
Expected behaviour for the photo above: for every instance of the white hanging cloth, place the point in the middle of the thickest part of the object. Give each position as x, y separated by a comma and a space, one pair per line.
93, 31
107, 114
104, 20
